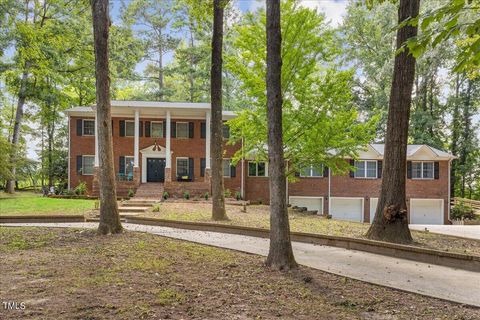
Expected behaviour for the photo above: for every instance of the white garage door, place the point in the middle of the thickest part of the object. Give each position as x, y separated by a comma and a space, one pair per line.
426, 211
373, 208
347, 209
311, 203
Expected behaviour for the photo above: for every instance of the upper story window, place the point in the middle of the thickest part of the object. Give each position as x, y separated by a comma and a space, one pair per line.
225, 131
182, 130
422, 170
156, 129
257, 169
129, 128
87, 165
366, 169
88, 127
312, 171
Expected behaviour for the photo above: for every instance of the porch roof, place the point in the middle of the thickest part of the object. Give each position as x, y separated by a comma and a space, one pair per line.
153, 109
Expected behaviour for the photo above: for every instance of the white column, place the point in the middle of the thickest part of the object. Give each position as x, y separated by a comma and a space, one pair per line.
136, 138
207, 140
168, 130
96, 161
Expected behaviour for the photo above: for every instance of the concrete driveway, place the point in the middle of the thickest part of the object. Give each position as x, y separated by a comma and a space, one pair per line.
471, 232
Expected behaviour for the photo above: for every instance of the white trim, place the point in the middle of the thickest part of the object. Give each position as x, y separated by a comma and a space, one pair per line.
256, 170
421, 171
322, 201
136, 143
176, 129
168, 159
83, 163
94, 127
362, 218
176, 165
149, 153
151, 129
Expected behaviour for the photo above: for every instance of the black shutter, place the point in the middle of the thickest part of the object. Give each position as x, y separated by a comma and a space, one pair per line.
191, 129
173, 129
122, 128
121, 165
140, 129
202, 167
203, 130
436, 170
191, 172
79, 164
112, 128
409, 169
233, 171
79, 127
147, 129
325, 171
164, 125
352, 173
379, 169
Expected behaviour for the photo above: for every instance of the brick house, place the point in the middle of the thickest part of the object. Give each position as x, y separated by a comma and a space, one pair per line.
165, 145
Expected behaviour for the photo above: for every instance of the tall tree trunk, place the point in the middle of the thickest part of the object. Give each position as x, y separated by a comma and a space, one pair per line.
216, 146
391, 220
160, 67
22, 94
455, 135
191, 76
280, 255
109, 216
467, 121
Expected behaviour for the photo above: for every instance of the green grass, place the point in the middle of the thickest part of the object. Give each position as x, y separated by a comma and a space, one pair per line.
27, 203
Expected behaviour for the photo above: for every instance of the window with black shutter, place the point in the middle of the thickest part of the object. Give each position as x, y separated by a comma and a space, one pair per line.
122, 128
147, 129
79, 127
191, 167
79, 164
203, 130
203, 163
191, 130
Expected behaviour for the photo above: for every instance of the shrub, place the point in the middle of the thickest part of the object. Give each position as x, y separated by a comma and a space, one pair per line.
228, 193
156, 208
165, 195
206, 195
238, 196
461, 211
130, 193
81, 189
69, 192
186, 195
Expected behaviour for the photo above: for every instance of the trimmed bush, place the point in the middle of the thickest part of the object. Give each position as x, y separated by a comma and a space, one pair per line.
165, 195
206, 195
186, 195
81, 189
461, 211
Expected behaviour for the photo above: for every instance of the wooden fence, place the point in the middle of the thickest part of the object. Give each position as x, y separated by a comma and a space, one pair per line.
474, 204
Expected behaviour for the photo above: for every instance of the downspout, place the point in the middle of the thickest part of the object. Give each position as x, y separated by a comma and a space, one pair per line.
69, 158
329, 188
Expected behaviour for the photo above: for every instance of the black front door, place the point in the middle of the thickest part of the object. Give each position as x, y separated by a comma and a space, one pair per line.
155, 169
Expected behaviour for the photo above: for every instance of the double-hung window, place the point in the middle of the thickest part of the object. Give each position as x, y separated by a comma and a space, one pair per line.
182, 167
422, 170
129, 162
88, 127
129, 128
156, 129
182, 130
366, 169
87, 165
226, 167
257, 169
312, 171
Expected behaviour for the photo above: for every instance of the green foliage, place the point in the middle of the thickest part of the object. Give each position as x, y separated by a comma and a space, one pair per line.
462, 212
130, 193
318, 108
156, 208
238, 196
165, 195
227, 193
206, 195
186, 195
81, 189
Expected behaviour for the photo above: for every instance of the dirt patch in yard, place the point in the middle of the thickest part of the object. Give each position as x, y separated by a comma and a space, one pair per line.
258, 216
76, 274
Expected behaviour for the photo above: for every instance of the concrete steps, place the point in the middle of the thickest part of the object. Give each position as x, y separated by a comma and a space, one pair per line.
149, 191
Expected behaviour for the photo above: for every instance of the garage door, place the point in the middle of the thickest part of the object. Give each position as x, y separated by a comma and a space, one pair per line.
426, 211
311, 203
347, 209
373, 208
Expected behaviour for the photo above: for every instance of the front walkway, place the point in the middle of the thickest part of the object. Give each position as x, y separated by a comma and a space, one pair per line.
467, 231
431, 280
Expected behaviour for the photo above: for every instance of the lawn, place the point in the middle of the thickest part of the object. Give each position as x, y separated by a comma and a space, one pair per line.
258, 216
77, 274
26, 203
